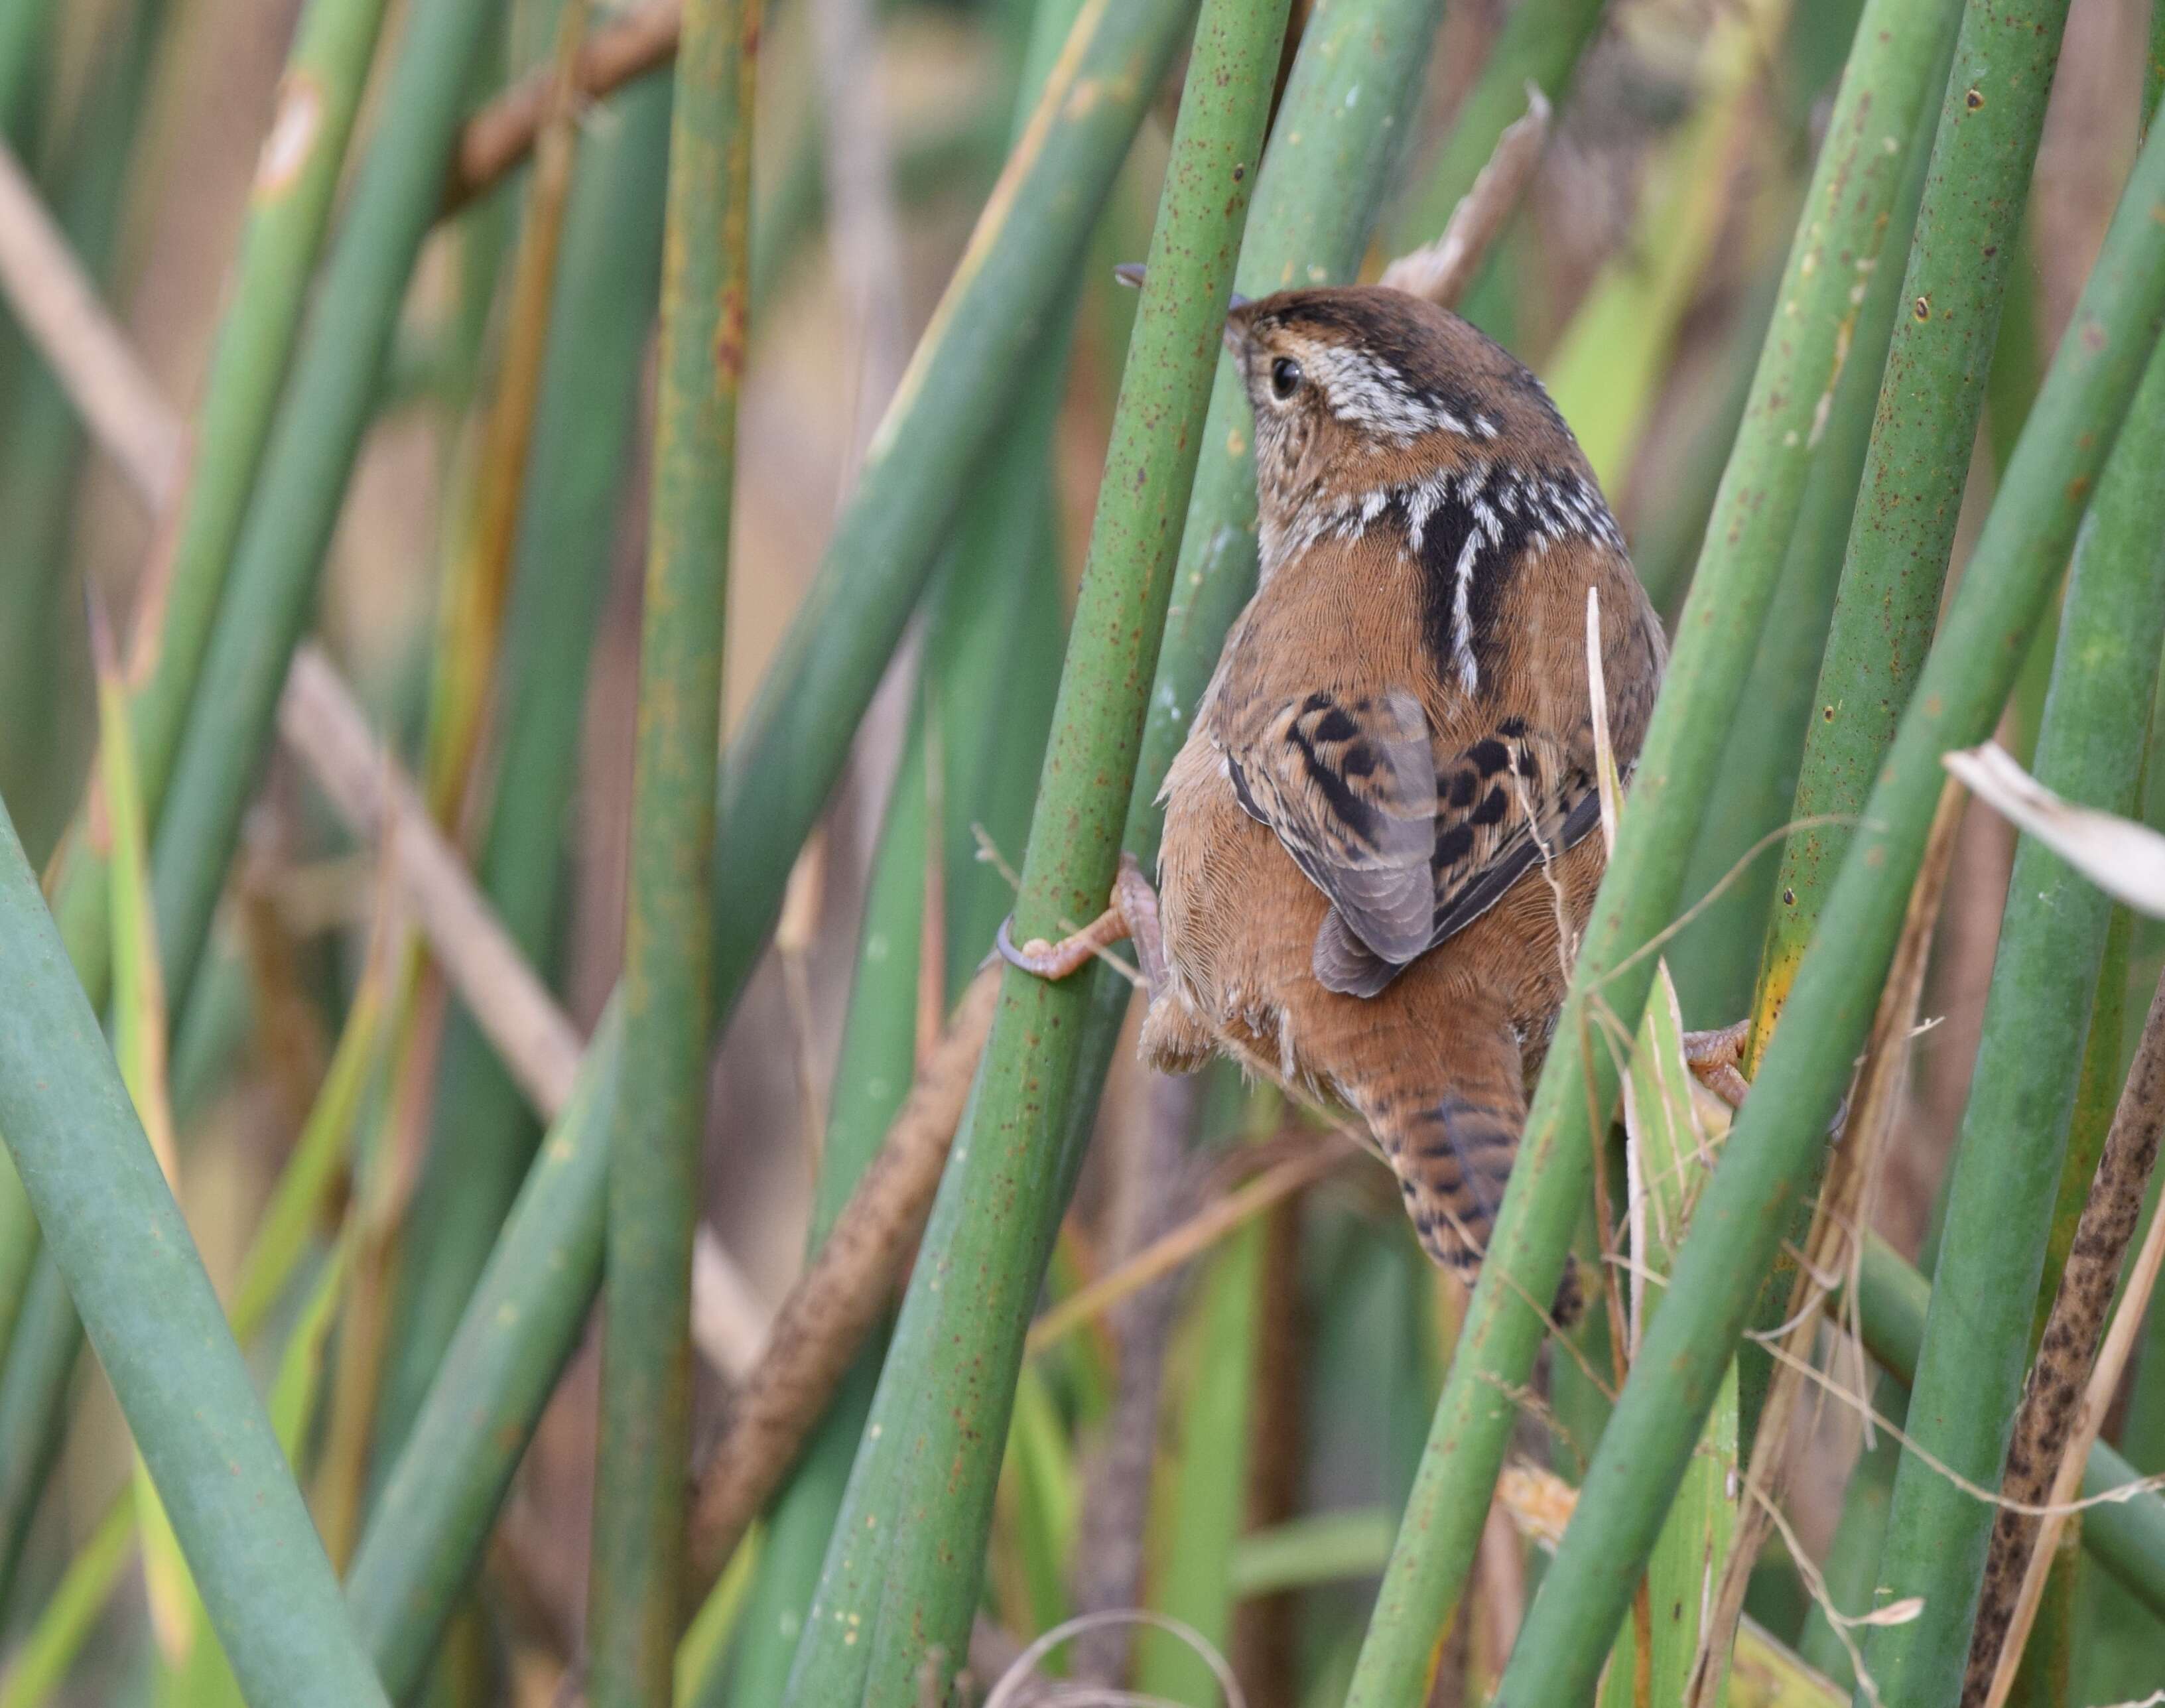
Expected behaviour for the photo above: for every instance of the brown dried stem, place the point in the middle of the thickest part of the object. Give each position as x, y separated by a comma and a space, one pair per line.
1196, 1234
321, 723
503, 133
1155, 1193
1442, 270
2052, 1432
837, 1299
60, 310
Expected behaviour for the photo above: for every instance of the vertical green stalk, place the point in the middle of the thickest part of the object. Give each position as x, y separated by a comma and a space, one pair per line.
118, 1238
2030, 1059
660, 1117
528, 1311
1903, 526
608, 279
968, 374
925, 1480
1347, 99
1837, 242
289, 206
278, 556
1779, 1134
1202, 1508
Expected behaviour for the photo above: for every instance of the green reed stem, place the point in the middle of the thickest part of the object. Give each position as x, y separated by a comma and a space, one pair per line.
633, 1616
983, 705
118, 1238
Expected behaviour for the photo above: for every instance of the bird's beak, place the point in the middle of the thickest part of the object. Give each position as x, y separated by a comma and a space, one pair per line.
1130, 274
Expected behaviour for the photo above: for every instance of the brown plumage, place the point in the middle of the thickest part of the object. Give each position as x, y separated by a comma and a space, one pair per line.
1379, 836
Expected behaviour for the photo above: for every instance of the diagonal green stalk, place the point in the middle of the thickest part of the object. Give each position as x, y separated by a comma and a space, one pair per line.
668, 996
968, 374
1837, 242
526, 1313
932, 1448
1775, 1145
279, 552
2030, 1059
609, 278
118, 1238
44, 715
1336, 139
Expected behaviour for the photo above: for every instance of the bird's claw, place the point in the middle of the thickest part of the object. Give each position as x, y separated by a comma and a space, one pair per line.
1713, 1057
1133, 914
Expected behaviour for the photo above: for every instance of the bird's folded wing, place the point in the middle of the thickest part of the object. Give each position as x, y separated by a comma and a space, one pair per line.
1348, 782
1514, 800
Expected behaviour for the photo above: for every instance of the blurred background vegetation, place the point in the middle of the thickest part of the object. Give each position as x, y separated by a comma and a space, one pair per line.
1228, 1444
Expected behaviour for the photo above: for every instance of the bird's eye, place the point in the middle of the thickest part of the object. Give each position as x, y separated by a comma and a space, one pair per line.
1285, 377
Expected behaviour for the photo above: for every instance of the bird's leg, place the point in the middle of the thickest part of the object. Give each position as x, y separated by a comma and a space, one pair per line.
1713, 1056
1132, 915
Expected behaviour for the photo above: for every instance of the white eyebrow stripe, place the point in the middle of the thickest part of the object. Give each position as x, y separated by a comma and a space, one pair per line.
1365, 392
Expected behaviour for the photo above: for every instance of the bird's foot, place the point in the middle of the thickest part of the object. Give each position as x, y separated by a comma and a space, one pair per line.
1133, 915
1713, 1058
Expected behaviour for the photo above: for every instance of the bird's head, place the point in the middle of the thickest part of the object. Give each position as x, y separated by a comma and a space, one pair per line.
1359, 387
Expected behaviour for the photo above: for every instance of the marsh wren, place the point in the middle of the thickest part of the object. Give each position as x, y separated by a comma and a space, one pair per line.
1379, 848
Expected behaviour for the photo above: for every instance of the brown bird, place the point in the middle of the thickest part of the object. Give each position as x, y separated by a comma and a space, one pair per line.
1379, 849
